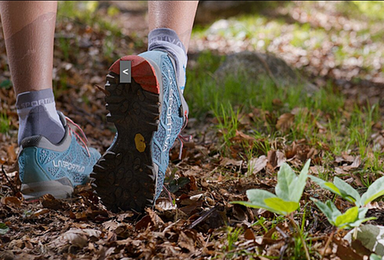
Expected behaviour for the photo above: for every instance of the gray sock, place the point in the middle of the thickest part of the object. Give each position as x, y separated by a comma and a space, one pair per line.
167, 40
38, 116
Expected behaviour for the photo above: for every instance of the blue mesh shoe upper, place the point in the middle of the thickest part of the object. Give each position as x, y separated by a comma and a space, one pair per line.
171, 117
40, 160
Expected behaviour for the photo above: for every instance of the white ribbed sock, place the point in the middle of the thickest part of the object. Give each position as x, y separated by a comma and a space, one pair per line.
38, 116
167, 40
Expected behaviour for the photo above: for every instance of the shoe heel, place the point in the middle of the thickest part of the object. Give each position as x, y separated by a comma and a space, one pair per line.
124, 178
35, 182
142, 72
60, 189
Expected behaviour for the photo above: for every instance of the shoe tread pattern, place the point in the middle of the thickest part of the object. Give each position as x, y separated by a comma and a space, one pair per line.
124, 178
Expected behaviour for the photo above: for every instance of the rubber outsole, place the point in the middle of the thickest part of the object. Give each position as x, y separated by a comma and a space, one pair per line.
124, 177
60, 189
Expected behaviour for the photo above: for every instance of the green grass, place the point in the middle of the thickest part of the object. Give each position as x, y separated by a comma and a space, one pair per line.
228, 121
371, 10
361, 43
4, 123
236, 95
206, 93
86, 16
86, 12
233, 235
322, 119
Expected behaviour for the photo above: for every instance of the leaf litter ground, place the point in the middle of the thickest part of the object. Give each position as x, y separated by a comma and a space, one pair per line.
195, 219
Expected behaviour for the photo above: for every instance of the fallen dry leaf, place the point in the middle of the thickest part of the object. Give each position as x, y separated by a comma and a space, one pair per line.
50, 202
258, 164
11, 151
75, 237
248, 234
285, 122
11, 201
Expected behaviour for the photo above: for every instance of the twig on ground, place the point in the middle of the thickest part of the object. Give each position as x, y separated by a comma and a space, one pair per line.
9, 182
328, 242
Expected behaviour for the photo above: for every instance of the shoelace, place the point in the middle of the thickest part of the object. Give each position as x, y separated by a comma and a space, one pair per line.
169, 194
83, 140
183, 138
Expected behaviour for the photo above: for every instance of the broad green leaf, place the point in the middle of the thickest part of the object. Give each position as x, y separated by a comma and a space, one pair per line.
256, 195
333, 208
326, 185
285, 178
256, 199
375, 257
289, 186
317, 180
332, 187
353, 217
327, 211
281, 206
362, 212
358, 222
3, 228
252, 205
299, 185
336, 189
348, 217
374, 191
347, 191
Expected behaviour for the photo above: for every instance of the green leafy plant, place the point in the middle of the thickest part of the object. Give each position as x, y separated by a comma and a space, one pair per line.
348, 193
3, 228
4, 123
289, 189
7, 84
375, 257
233, 235
228, 122
354, 216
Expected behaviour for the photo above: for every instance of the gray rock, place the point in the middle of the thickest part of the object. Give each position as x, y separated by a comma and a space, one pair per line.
256, 66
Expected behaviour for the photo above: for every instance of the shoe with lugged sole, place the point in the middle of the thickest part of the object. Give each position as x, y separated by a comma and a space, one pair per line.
149, 114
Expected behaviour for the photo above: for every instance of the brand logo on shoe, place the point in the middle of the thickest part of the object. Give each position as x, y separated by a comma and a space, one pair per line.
69, 166
168, 121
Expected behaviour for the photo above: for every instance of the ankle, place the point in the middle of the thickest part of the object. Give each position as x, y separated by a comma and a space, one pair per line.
165, 39
38, 116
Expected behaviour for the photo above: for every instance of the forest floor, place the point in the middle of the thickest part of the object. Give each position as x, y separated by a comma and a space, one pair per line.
237, 144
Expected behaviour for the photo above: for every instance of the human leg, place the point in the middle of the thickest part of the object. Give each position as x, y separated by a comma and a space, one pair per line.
29, 43
45, 137
175, 15
149, 112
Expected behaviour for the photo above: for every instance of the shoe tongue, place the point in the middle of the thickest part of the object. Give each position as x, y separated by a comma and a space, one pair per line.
181, 80
180, 70
62, 118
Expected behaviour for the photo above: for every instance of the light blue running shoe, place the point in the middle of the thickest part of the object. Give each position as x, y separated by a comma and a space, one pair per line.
46, 168
149, 114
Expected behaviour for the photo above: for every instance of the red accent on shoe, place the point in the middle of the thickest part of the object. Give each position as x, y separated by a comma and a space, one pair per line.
142, 72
